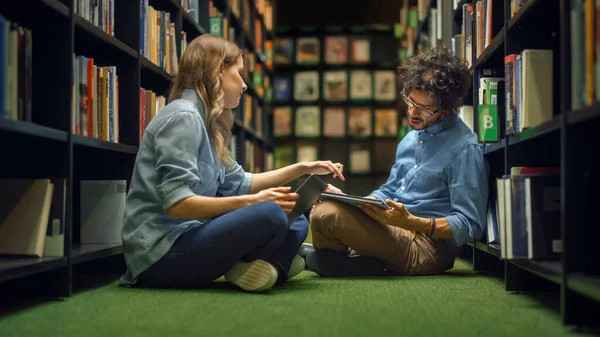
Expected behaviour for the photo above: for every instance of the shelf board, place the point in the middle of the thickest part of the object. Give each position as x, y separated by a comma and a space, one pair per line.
100, 144
490, 248
582, 115
53, 4
494, 147
534, 132
150, 66
550, 270
491, 49
587, 285
31, 129
12, 267
188, 21
239, 124
28, 11
522, 14
84, 252
103, 37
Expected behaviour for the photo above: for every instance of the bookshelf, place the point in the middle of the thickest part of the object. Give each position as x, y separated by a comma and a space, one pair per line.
335, 98
57, 125
563, 140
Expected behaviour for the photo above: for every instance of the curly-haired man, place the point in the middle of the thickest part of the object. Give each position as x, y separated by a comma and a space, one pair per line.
437, 187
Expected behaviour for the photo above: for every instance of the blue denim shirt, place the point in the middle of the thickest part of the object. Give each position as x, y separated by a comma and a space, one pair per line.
440, 172
176, 160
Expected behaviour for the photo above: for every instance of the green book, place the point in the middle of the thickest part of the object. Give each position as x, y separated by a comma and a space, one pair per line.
216, 26
488, 123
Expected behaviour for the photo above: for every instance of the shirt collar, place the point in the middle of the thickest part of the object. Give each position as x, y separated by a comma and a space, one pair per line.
446, 123
192, 96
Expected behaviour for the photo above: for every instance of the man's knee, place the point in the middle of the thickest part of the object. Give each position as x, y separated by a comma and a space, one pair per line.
325, 213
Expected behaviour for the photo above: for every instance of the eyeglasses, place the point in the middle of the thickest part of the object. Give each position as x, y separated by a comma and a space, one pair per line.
420, 109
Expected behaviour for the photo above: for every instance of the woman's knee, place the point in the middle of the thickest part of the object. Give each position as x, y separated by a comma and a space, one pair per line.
272, 215
301, 226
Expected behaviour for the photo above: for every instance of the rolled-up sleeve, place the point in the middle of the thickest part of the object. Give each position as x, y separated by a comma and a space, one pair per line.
468, 186
236, 182
176, 145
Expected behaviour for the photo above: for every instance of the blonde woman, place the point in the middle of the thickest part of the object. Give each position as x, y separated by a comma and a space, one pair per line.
192, 213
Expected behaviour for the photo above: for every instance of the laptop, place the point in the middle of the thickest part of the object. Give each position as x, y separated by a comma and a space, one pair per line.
308, 193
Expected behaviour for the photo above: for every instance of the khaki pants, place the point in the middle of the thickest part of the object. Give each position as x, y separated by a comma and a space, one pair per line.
340, 227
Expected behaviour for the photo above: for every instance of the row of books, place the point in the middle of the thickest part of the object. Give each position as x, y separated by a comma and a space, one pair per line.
523, 216
338, 49
412, 13
32, 215
15, 70
150, 105
462, 43
251, 157
337, 85
95, 100
585, 53
158, 41
517, 101
305, 121
101, 13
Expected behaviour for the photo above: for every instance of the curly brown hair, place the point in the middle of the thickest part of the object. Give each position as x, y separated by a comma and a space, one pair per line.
439, 73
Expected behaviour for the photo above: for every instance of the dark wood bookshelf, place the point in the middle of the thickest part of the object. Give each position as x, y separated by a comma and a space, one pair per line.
586, 285
14, 267
84, 252
31, 130
102, 144
536, 132
86, 33
494, 51
567, 141
583, 115
44, 145
550, 270
490, 248
494, 147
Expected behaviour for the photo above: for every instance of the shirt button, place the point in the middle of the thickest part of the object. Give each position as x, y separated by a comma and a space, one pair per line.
431, 135
421, 142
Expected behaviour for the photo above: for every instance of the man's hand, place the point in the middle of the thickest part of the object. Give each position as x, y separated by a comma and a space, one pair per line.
332, 189
398, 216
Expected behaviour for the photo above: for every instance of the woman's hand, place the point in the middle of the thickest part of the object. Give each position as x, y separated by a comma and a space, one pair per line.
323, 168
280, 195
398, 216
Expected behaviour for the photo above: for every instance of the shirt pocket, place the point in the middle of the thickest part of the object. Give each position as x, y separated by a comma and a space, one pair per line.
426, 185
210, 177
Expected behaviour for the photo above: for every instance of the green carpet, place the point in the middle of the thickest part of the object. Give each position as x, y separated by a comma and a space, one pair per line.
461, 303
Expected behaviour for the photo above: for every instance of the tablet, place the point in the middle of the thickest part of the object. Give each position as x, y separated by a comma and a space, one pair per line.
354, 200
308, 193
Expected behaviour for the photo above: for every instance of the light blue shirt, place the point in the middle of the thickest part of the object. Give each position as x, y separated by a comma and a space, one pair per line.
176, 159
440, 172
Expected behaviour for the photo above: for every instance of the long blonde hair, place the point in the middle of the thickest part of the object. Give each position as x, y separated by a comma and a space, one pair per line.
199, 70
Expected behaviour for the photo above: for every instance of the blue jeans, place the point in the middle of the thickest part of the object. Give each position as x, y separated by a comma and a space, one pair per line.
206, 252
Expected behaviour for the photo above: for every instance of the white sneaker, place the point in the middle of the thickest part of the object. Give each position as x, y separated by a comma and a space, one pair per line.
255, 276
297, 266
